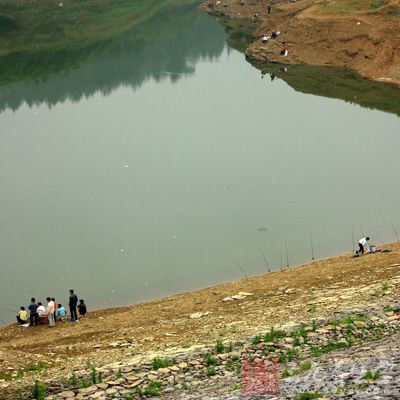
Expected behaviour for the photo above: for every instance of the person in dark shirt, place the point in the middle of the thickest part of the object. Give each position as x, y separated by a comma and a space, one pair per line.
82, 307
33, 314
73, 302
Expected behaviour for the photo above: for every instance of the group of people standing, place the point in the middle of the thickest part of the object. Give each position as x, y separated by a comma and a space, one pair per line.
53, 312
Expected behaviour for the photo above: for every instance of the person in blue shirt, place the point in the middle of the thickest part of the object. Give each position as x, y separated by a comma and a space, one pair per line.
61, 313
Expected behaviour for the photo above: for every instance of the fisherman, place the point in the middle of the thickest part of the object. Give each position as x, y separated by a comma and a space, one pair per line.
269, 8
41, 310
362, 243
22, 316
265, 39
284, 50
61, 313
82, 307
73, 302
50, 312
33, 314
55, 308
274, 34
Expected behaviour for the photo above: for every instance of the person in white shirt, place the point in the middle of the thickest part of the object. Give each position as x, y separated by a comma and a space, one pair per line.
50, 312
41, 310
362, 243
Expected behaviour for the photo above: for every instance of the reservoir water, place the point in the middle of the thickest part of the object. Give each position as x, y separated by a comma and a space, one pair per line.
161, 159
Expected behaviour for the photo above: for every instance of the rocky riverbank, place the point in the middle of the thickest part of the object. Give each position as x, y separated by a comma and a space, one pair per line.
193, 345
363, 36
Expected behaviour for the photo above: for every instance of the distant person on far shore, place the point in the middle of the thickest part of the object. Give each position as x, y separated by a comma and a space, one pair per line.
33, 314
22, 316
362, 243
73, 302
50, 312
82, 307
61, 313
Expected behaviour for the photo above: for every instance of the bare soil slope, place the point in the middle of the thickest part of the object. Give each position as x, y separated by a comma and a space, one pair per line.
362, 35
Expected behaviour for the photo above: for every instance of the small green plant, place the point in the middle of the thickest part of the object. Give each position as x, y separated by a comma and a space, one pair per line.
7, 377
211, 360
153, 388
186, 346
219, 347
211, 371
74, 381
229, 348
93, 375
273, 335
184, 386
306, 366
256, 339
385, 287
118, 374
38, 391
235, 386
377, 4
286, 373
159, 362
85, 383
290, 354
308, 396
372, 375
314, 325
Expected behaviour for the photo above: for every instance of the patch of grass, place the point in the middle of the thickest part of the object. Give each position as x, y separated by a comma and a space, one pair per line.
184, 386
219, 347
235, 386
317, 351
153, 388
273, 335
377, 4
118, 374
372, 375
256, 340
306, 366
286, 373
159, 362
211, 371
186, 346
314, 325
211, 360
38, 391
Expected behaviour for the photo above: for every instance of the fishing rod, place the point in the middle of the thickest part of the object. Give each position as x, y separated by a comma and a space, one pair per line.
395, 231
352, 235
312, 247
281, 256
287, 253
265, 259
241, 268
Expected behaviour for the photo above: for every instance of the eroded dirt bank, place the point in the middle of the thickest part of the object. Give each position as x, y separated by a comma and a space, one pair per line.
291, 296
363, 36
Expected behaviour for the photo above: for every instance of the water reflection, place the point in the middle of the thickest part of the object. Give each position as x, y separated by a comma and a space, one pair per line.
167, 46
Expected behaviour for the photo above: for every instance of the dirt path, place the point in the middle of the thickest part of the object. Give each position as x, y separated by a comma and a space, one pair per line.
293, 295
363, 37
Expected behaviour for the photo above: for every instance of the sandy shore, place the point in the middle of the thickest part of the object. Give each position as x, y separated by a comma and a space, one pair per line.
289, 296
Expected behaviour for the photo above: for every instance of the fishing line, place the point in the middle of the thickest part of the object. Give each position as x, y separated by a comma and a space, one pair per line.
241, 268
265, 260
